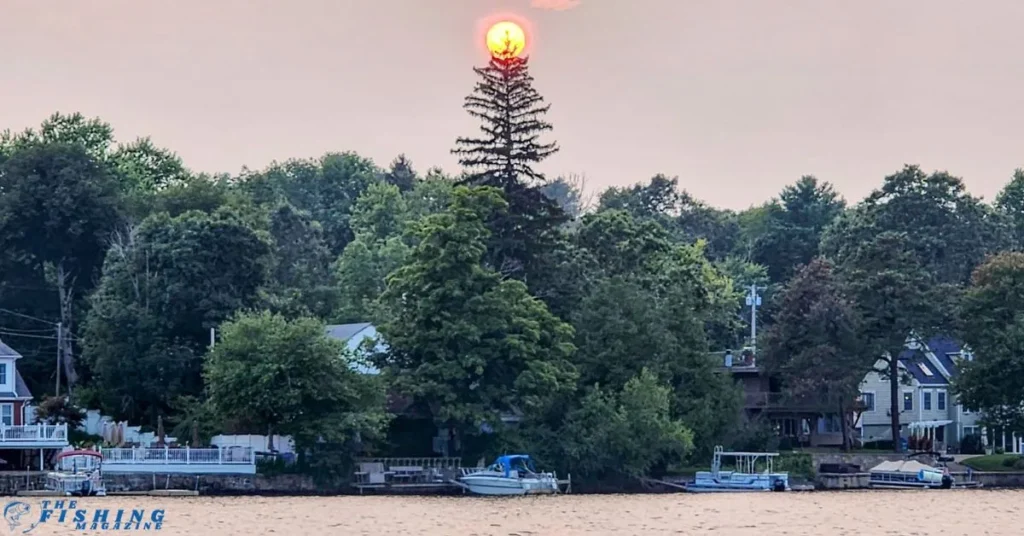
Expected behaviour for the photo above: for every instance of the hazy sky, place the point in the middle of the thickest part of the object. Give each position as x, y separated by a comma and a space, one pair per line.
736, 97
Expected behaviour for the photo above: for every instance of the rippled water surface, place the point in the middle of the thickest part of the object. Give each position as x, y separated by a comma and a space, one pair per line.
967, 512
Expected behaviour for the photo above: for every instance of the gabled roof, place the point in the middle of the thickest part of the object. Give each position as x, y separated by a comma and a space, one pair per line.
344, 332
938, 356
945, 348
913, 360
7, 351
20, 388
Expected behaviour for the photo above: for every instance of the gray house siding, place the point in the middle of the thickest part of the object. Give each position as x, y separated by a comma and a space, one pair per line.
927, 370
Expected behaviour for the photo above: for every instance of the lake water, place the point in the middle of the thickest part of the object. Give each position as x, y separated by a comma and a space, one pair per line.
858, 513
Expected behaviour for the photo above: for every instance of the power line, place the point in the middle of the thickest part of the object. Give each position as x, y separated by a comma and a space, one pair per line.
36, 318
27, 331
9, 334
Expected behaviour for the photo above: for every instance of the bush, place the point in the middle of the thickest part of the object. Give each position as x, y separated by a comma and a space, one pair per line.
59, 410
971, 444
1011, 461
878, 445
796, 464
1018, 464
1000, 450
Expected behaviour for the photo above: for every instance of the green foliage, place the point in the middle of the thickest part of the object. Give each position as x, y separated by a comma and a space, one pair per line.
624, 431
647, 307
164, 285
511, 114
814, 345
947, 230
972, 444
59, 410
326, 188
600, 333
465, 344
799, 464
896, 297
793, 226
272, 375
300, 265
993, 327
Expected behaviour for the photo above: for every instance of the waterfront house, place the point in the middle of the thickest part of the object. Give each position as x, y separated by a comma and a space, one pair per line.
22, 441
803, 422
356, 338
927, 407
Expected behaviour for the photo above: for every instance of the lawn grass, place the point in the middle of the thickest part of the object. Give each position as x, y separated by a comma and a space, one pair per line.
991, 462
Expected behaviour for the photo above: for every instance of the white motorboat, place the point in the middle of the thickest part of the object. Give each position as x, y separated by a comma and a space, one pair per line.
744, 478
512, 474
79, 472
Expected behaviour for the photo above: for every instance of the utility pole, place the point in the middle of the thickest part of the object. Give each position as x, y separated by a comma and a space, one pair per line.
754, 301
60, 349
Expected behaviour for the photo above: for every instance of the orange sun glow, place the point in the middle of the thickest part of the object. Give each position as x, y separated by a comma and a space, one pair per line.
506, 39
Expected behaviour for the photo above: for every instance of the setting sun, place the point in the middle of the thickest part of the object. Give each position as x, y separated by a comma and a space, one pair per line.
506, 39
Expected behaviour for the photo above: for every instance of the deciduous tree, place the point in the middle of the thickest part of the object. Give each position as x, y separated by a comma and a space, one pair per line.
467, 345
993, 327
814, 344
287, 377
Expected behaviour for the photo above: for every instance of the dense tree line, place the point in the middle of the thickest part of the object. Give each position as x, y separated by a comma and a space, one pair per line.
516, 312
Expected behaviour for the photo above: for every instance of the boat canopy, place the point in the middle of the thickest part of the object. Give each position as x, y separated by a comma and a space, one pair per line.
905, 466
70, 453
513, 461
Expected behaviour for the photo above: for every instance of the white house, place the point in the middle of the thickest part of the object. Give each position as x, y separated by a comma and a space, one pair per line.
927, 407
355, 336
19, 436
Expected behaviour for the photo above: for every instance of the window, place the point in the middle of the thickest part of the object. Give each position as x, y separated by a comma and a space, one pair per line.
942, 400
970, 430
832, 424
908, 401
7, 414
868, 399
926, 400
3, 373
924, 368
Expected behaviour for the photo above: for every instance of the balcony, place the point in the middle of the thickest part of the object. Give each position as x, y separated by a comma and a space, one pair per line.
783, 402
34, 436
217, 460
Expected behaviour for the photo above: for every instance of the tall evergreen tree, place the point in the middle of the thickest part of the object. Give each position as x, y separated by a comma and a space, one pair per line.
511, 113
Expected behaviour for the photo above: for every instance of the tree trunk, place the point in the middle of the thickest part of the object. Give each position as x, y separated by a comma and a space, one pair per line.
65, 294
845, 427
894, 392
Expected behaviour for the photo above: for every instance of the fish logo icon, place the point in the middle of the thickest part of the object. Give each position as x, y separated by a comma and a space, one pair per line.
13, 514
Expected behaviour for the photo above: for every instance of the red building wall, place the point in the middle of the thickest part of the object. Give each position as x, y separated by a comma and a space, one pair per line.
18, 413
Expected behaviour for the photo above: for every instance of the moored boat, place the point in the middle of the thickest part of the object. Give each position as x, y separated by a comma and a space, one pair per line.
78, 472
909, 474
512, 474
745, 478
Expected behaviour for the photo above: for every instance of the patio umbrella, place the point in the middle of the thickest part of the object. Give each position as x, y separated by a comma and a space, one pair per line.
160, 430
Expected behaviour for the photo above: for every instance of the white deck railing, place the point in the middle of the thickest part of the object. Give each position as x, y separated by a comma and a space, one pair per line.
34, 433
179, 456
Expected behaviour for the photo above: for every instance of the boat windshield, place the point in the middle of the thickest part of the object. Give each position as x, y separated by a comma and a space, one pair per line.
520, 463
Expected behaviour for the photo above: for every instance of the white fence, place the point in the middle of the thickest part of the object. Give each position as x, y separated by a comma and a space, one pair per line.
179, 460
258, 443
35, 434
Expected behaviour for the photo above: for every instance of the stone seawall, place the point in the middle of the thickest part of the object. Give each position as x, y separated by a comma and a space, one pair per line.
13, 482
